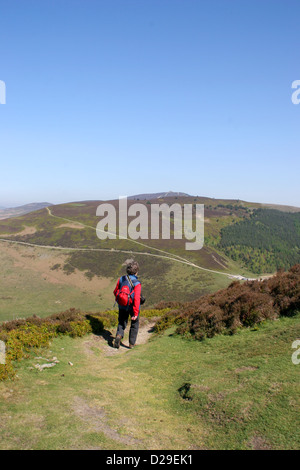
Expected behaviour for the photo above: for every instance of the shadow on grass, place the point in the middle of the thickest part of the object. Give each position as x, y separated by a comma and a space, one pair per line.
109, 338
98, 329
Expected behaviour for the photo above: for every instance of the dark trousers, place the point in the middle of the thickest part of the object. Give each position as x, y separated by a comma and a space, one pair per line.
134, 327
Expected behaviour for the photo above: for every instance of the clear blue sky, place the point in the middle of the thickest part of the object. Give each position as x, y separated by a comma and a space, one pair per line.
116, 97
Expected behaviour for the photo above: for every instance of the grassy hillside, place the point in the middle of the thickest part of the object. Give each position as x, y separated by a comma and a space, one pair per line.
237, 392
6, 213
29, 284
43, 281
227, 391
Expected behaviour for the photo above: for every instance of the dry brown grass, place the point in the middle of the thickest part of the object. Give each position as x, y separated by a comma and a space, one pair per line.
41, 261
26, 231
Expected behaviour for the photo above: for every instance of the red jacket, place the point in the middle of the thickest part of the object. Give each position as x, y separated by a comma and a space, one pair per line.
137, 297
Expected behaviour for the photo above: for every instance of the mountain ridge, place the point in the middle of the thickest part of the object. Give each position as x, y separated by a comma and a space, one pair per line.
8, 213
161, 195
82, 265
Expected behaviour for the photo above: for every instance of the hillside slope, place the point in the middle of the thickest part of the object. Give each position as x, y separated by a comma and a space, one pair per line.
7, 213
267, 240
239, 305
83, 273
229, 392
63, 228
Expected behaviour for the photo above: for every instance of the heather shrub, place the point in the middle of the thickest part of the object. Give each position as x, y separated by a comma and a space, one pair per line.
80, 328
24, 338
21, 336
285, 289
7, 371
167, 320
154, 312
12, 325
101, 321
239, 305
68, 316
167, 304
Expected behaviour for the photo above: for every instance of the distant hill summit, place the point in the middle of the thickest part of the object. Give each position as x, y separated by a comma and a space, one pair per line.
159, 195
208, 201
22, 210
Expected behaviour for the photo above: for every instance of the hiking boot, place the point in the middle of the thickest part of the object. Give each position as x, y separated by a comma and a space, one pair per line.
117, 341
131, 346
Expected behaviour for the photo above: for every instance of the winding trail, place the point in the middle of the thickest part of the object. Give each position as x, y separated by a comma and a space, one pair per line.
166, 254
105, 343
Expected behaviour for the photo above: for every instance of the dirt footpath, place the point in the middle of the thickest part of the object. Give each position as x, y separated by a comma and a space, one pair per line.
105, 341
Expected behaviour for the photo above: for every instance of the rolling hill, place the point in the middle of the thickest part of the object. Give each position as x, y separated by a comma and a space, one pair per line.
161, 195
7, 213
52, 259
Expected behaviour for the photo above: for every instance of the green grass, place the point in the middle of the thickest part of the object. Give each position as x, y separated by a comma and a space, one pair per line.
25, 292
237, 392
241, 388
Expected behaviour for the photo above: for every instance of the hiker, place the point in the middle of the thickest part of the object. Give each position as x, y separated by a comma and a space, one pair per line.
128, 297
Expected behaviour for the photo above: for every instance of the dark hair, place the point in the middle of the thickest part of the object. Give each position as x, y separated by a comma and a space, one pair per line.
132, 267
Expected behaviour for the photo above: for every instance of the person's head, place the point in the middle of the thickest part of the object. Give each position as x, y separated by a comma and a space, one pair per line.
132, 267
